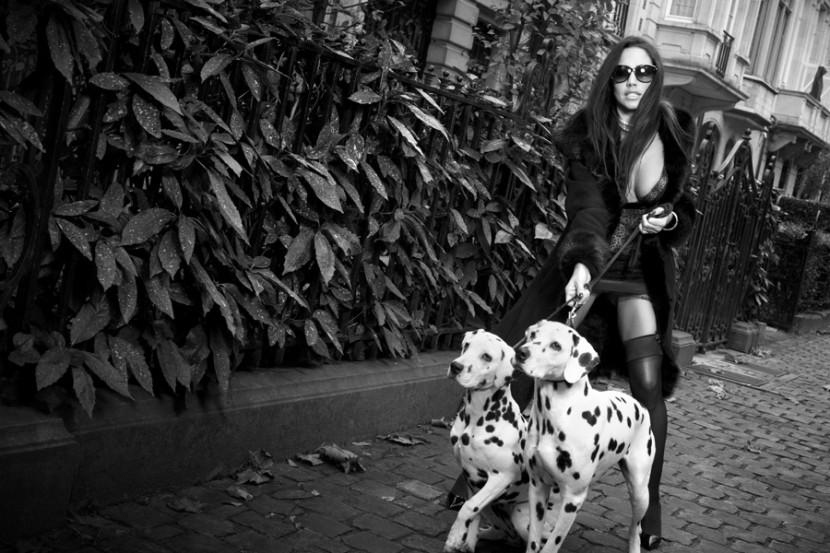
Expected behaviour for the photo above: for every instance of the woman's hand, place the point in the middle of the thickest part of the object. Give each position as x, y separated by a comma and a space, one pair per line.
659, 218
577, 286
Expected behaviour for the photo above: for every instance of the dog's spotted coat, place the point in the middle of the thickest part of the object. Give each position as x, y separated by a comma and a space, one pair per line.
488, 438
575, 433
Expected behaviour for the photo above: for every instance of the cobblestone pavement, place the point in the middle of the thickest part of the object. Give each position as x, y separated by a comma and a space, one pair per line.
747, 470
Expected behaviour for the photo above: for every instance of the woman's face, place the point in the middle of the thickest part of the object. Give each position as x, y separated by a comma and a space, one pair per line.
629, 92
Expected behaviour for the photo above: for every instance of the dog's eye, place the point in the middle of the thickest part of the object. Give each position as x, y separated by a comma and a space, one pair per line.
556, 346
487, 357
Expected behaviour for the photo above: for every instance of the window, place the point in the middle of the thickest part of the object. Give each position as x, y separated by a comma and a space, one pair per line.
771, 28
758, 35
620, 16
485, 35
683, 8
819, 41
779, 31
784, 174
730, 18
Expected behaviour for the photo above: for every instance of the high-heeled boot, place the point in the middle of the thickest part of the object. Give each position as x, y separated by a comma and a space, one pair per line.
644, 357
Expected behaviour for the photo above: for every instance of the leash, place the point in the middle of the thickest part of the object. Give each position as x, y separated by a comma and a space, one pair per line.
575, 300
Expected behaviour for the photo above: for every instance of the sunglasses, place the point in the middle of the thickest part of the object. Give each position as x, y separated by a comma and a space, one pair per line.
643, 73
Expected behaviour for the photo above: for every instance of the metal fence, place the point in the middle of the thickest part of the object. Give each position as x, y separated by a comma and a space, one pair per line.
719, 260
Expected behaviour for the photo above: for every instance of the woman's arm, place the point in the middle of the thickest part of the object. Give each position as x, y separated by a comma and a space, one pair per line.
684, 209
584, 240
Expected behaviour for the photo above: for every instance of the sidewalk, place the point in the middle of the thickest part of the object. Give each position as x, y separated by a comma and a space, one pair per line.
747, 469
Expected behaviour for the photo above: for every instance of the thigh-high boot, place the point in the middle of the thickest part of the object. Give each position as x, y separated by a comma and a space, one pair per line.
644, 356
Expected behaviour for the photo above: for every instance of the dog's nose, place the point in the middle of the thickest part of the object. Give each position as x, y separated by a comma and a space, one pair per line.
456, 368
522, 354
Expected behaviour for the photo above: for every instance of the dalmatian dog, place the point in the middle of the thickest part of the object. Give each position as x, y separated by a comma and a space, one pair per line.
488, 440
576, 432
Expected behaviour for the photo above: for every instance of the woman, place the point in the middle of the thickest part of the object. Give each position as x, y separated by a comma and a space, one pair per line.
628, 163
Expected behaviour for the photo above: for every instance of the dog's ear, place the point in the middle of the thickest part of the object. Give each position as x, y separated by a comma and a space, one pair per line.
466, 339
510, 359
582, 360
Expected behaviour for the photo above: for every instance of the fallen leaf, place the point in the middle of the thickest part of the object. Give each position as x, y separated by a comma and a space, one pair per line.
343, 458
185, 505
762, 352
735, 359
312, 459
91, 520
261, 459
403, 440
252, 476
440, 423
240, 492
718, 388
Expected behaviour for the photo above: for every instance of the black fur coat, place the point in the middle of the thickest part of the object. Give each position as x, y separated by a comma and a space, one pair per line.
594, 206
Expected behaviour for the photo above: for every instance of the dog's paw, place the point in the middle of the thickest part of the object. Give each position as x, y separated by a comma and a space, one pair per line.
457, 542
464, 548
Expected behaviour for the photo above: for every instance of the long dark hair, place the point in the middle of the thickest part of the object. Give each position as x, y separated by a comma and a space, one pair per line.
600, 114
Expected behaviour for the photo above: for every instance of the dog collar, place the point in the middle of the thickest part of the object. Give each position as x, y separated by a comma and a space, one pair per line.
558, 381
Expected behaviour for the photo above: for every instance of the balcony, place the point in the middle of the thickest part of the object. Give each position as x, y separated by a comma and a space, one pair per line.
799, 115
757, 109
697, 62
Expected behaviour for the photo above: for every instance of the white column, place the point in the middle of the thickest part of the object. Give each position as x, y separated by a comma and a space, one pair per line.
452, 34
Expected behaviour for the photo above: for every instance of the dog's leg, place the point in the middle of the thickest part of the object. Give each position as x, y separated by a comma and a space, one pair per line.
572, 498
538, 494
638, 494
636, 469
464, 532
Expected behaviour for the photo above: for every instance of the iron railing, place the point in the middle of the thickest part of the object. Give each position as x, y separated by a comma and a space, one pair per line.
724, 52
620, 16
720, 258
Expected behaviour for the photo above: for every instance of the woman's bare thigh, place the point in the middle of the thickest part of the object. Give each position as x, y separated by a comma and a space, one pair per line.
635, 317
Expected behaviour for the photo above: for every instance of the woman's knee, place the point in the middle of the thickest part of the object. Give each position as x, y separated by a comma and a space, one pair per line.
644, 357
646, 385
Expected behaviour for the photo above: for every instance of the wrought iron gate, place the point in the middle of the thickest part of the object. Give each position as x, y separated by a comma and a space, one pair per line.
720, 258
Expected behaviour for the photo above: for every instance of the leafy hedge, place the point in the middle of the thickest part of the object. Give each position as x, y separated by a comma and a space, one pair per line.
220, 180
815, 293
792, 264
804, 213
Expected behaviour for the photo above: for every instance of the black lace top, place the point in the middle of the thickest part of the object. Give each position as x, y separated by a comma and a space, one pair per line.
626, 267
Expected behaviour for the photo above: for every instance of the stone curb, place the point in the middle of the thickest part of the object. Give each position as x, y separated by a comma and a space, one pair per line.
129, 448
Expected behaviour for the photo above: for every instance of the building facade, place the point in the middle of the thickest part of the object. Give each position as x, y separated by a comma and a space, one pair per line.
739, 66
747, 65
